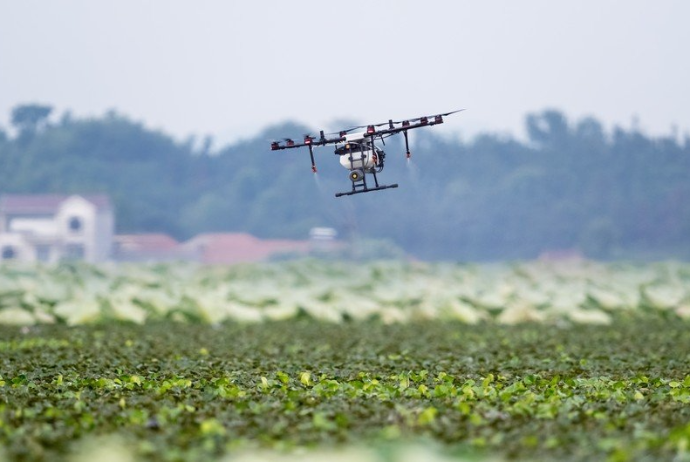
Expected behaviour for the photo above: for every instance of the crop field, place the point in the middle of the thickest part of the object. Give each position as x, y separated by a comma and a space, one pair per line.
310, 360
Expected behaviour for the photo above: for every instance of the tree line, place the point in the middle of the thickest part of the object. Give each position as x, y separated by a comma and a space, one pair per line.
571, 185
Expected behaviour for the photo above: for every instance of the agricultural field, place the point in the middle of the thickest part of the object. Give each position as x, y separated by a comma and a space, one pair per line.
313, 360
391, 291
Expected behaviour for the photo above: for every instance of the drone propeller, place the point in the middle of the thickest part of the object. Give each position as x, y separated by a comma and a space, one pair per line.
449, 113
345, 132
384, 123
323, 138
366, 126
340, 133
371, 129
437, 118
420, 121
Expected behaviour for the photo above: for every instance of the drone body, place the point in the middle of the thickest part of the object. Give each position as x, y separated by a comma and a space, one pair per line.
358, 152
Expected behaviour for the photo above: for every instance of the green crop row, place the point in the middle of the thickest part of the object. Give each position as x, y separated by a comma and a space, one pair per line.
174, 391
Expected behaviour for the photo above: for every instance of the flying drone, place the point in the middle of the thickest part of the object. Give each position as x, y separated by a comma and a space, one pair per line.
357, 150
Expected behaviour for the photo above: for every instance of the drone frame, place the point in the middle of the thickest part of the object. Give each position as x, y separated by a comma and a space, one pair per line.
372, 133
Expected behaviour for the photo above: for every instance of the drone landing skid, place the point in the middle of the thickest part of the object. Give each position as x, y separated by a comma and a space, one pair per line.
359, 191
359, 182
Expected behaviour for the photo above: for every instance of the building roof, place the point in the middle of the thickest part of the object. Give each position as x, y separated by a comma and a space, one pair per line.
152, 242
45, 204
228, 248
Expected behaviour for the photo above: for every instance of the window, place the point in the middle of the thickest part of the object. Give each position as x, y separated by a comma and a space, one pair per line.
75, 225
74, 252
8, 253
43, 253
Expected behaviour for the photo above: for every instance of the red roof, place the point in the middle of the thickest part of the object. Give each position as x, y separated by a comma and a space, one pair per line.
146, 242
227, 248
20, 204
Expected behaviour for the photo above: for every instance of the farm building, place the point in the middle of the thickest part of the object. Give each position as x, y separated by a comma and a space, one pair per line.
229, 248
51, 227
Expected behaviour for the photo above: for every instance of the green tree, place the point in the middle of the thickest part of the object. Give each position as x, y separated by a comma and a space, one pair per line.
28, 118
571, 186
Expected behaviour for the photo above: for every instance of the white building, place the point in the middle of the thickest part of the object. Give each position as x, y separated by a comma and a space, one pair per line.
50, 228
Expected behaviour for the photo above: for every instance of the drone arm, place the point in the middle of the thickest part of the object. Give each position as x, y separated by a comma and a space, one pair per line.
372, 133
426, 121
311, 154
406, 125
309, 142
276, 146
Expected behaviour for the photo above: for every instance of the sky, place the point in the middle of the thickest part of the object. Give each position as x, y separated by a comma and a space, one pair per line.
230, 69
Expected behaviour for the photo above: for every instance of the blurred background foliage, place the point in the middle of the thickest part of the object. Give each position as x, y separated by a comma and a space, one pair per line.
571, 185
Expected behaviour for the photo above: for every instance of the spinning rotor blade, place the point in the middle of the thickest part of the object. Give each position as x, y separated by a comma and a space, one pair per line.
346, 131
449, 113
377, 125
430, 117
393, 127
369, 125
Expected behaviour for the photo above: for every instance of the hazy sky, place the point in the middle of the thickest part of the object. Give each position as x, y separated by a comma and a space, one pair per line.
231, 68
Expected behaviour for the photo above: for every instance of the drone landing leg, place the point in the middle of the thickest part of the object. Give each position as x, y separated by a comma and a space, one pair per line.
360, 191
376, 181
311, 154
361, 187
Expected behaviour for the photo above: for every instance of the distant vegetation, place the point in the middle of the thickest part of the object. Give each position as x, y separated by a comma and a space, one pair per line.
341, 291
572, 185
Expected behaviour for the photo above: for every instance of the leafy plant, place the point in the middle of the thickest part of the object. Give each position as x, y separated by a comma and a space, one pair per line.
179, 391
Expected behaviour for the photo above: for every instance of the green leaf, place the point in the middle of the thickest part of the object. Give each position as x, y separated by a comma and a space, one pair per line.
212, 427
427, 416
305, 378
